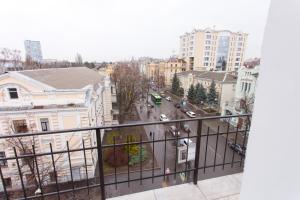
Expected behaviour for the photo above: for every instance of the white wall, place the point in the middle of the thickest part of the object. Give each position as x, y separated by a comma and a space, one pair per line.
272, 169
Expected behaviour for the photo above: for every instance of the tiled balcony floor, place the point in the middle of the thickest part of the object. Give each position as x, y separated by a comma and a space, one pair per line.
221, 188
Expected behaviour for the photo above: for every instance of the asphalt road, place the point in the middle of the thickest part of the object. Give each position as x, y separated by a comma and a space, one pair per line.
212, 152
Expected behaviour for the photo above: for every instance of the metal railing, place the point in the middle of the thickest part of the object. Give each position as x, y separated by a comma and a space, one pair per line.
217, 146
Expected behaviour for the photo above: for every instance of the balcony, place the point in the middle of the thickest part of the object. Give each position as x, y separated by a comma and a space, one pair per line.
122, 163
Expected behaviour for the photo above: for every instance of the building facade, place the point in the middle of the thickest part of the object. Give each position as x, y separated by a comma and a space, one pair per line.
245, 92
33, 51
49, 100
165, 70
225, 84
210, 49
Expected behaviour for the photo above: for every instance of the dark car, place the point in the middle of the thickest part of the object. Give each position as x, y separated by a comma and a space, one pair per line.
184, 110
177, 105
237, 148
150, 105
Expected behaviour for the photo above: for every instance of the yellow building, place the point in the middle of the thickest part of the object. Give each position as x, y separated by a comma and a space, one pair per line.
165, 69
210, 49
49, 100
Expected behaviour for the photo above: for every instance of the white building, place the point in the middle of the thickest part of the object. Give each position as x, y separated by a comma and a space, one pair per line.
210, 49
48, 100
33, 50
225, 83
244, 93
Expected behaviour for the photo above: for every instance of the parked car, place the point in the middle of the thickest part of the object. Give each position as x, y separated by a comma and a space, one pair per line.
177, 105
168, 98
191, 114
174, 131
185, 142
163, 118
184, 110
186, 128
162, 94
237, 148
150, 105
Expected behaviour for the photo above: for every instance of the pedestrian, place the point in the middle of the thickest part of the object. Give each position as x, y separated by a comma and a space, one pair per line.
150, 134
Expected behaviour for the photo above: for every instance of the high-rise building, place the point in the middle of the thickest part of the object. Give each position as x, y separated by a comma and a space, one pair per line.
33, 50
210, 49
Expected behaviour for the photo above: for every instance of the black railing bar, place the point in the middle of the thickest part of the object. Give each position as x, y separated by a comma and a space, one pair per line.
71, 172
235, 140
116, 145
89, 148
170, 174
121, 126
153, 159
85, 164
38, 172
216, 147
119, 182
3, 183
60, 192
205, 154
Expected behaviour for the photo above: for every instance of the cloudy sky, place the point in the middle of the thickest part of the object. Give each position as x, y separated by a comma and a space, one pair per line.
109, 30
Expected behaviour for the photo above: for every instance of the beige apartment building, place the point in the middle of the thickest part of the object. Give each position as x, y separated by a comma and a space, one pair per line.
48, 100
166, 69
225, 84
210, 49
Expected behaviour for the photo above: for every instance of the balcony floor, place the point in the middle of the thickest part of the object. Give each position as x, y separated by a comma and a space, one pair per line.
221, 188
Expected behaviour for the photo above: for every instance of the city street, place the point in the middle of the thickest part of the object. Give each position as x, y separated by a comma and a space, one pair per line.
209, 156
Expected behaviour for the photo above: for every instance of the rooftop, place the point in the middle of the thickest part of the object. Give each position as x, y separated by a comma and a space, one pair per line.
65, 78
211, 75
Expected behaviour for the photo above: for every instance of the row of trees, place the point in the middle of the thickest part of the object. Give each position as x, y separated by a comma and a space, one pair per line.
199, 95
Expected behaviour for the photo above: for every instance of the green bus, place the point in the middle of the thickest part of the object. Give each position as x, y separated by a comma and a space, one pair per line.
156, 98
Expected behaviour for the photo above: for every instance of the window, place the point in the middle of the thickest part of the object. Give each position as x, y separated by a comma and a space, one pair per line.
240, 44
191, 48
249, 87
208, 36
2, 156
237, 59
13, 93
207, 47
20, 126
45, 124
206, 53
206, 58
207, 42
239, 49
238, 54
237, 64
205, 64
7, 182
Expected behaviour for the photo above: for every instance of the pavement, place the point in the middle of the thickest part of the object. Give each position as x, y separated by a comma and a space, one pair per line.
212, 152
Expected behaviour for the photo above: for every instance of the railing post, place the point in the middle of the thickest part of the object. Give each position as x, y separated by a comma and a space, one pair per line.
198, 143
100, 163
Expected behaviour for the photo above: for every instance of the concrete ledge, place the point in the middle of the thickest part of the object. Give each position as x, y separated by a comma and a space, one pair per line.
221, 188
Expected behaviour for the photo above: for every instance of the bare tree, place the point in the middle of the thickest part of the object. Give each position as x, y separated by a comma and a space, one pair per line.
10, 59
127, 80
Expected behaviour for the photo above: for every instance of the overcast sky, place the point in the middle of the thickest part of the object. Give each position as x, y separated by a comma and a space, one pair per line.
109, 30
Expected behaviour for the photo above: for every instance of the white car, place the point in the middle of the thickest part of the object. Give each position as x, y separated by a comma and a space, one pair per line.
163, 118
185, 142
191, 114
168, 98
